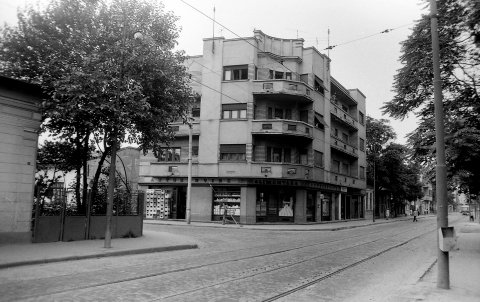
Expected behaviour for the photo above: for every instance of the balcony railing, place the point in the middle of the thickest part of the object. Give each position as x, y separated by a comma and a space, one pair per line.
345, 180
292, 89
344, 147
343, 116
282, 127
182, 129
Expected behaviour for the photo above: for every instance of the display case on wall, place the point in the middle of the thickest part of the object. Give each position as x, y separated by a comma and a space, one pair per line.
226, 198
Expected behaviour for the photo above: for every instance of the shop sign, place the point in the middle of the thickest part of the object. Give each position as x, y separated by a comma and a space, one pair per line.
292, 171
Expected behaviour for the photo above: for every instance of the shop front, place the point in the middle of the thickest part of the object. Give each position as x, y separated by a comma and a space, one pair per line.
275, 204
165, 202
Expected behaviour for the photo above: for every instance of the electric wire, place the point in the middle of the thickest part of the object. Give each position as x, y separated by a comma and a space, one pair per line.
241, 38
369, 36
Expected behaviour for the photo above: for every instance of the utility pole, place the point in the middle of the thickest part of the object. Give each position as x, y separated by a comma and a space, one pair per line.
443, 278
374, 183
189, 179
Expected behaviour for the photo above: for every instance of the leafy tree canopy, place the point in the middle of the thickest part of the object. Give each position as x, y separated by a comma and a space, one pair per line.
104, 64
459, 35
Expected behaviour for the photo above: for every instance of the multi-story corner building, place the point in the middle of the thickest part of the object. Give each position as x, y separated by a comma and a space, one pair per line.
275, 137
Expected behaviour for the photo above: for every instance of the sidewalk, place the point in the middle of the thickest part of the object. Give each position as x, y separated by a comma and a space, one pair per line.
152, 241
314, 226
464, 272
35, 253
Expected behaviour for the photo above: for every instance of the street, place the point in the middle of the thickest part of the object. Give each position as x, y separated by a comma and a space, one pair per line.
236, 264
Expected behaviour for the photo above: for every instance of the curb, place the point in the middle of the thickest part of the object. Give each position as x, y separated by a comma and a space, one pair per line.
100, 255
285, 230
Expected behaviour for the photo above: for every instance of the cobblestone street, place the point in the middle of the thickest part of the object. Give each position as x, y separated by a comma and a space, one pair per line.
238, 264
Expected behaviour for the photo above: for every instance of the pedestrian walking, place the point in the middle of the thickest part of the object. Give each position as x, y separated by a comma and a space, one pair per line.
472, 218
415, 214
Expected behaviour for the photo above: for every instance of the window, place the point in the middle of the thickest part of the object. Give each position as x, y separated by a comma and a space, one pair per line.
194, 151
278, 75
362, 172
318, 158
345, 168
288, 114
270, 75
302, 157
168, 154
292, 127
233, 152
235, 73
195, 112
288, 75
362, 144
287, 155
270, 113
336, 132
234, 111
361, 118
345, 137
304, 116
278, 113
319, 86
267, 126
344, 108
274, 154
336, 166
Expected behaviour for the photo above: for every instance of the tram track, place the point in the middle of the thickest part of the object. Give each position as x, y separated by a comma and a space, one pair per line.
252, 273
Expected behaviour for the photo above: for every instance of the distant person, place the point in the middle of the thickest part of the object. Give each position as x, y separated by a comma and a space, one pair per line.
472, 218
387, 213
415, 214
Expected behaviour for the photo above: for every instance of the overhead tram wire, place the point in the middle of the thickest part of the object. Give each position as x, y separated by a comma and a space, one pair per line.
241, 38
216, 72
369, 36
211, 88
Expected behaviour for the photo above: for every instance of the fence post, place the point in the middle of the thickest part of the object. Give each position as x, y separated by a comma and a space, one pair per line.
62, 216
140, 203
87, 214
37, 214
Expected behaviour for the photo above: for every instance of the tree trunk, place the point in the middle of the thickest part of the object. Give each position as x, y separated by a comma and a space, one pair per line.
85, 170
98, 172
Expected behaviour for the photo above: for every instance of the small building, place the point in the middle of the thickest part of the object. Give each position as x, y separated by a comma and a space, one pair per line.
20, 119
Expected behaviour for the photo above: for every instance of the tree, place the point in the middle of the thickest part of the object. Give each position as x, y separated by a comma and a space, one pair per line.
378, 134
109, 70
459, 34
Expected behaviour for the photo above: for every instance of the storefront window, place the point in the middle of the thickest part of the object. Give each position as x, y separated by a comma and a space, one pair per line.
275, 204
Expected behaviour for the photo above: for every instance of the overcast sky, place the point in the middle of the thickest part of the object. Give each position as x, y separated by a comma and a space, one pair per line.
368, 64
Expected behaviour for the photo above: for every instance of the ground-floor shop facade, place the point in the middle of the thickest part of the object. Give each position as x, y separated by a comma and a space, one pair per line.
252, 201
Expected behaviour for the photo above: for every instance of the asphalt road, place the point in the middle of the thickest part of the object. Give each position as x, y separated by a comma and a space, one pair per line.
360, 264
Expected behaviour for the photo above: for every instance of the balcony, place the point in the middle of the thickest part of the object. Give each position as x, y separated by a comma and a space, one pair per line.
182, 129
339, 115
282, 127
283, 90
281, 170
346, 180
344, 147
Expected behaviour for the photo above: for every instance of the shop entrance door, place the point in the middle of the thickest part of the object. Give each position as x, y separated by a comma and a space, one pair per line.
181, 203
311, 206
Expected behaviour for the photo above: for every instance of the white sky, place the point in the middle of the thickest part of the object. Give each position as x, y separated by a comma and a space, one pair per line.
368, 64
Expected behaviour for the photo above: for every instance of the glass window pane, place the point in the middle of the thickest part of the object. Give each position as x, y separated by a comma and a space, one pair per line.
235, 114
277, 155
287, 155
228, 75
244, 74
243, 113
226, 114
236, 74
176, 154
279, 113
